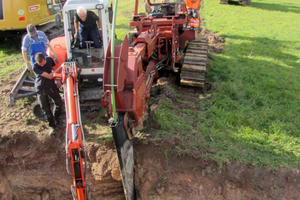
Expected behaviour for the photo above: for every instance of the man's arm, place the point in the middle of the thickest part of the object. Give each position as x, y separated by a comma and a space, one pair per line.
24, 54
50, 48
24, 49
99, 24
27, 63
76, 25
47, 75
53, 54
57, 69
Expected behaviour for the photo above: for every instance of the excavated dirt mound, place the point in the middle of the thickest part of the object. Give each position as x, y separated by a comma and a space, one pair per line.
33, 164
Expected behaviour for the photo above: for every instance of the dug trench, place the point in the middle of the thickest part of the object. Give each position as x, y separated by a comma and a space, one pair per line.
33, 165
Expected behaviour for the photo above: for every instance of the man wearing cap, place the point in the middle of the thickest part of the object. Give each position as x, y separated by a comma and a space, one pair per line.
88, 26
34, 42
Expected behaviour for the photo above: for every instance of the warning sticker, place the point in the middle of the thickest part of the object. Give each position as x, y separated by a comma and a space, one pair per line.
34, 7
20, 12
48, 1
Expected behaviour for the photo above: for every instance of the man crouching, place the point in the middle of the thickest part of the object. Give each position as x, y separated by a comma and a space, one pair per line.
46, 87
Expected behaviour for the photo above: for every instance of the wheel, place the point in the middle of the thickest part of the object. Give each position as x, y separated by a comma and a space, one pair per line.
37, 110
223, 1
132, 37
247, 2
57, 20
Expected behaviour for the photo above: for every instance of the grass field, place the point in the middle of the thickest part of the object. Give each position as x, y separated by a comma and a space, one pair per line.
252, 116
255, 107
10, 56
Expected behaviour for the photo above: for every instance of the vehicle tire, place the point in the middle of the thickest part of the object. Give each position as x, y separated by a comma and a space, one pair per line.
223, 1
37, 110
132, 37
57, 20
247, 2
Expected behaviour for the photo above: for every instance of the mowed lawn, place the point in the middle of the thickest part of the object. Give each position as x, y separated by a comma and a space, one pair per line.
253, 115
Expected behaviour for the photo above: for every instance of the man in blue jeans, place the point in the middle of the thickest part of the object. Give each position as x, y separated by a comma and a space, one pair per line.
88, 26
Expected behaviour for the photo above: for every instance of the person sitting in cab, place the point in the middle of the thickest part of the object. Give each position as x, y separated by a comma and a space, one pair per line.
90, 24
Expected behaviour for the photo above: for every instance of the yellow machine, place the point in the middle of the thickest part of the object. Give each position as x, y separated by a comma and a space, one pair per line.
15, 15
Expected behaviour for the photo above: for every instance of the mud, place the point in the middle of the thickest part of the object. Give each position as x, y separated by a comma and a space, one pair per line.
33, 164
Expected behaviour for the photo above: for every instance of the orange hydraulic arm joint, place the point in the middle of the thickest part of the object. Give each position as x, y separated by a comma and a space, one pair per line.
75, 142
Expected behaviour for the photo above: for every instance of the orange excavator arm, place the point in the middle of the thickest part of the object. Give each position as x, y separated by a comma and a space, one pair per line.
75, 142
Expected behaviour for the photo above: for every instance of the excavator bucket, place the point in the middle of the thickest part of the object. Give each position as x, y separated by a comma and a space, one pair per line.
124, 149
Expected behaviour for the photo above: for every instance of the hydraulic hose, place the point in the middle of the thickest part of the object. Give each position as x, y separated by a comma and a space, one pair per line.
113, 101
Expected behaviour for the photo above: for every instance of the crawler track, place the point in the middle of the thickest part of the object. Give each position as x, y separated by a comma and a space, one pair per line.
194, 65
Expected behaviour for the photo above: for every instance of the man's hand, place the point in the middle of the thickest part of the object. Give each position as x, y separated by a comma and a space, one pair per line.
55, 58
100, 32
194, 14
28, 66
76, 35
77, 39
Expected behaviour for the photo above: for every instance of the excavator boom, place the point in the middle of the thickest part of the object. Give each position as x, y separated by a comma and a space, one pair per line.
75, 142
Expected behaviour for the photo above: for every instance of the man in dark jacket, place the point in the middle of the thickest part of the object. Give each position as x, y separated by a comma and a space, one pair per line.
46, 88
87, 26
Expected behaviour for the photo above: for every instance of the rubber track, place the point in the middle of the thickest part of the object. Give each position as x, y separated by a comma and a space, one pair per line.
194, 65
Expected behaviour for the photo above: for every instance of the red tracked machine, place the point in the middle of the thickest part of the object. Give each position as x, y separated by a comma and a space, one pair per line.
161, 39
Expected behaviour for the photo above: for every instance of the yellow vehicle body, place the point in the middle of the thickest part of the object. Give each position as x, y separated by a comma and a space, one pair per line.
15, 15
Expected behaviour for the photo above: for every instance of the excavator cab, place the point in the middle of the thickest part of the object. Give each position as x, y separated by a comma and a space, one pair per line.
89, 59
164, 8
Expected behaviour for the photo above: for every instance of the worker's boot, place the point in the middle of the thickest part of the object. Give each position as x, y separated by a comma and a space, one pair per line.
52, 131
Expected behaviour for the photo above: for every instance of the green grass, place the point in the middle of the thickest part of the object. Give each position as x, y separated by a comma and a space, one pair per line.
255, 107
125, 11
252, 116
10, 56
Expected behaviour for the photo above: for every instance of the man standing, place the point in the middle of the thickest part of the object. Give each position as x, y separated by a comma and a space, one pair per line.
193, 13
87, 26
34, 42
46, 88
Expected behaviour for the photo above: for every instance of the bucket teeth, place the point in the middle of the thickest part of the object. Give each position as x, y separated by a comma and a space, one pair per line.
194, 65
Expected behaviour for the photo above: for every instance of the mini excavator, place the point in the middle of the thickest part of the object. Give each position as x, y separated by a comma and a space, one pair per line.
161, 40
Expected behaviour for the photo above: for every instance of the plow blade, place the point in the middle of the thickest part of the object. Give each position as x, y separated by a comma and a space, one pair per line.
194, 65
124, 149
